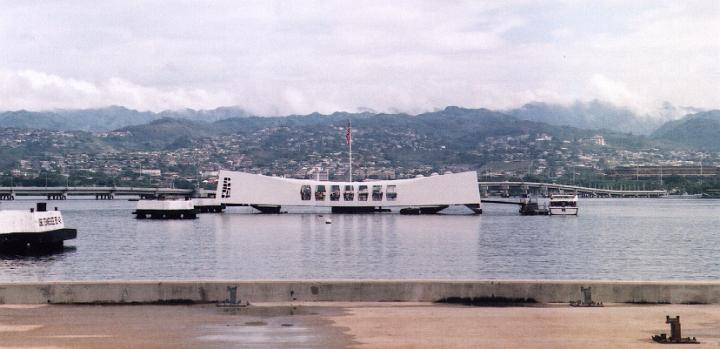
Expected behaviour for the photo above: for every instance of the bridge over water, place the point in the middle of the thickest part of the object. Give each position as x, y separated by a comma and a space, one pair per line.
486, 189
100, 193
506, 188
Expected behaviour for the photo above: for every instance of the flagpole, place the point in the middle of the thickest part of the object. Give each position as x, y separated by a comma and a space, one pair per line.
350, 152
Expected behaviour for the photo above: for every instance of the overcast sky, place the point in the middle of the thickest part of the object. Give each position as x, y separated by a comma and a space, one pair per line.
303, 56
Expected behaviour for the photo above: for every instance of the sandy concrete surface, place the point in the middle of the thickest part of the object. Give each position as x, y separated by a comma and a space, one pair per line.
613, 326
349, 325
168, 326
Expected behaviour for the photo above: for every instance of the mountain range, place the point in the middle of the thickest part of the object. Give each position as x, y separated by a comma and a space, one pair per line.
106, 119
457, 128
591, 115
697, 130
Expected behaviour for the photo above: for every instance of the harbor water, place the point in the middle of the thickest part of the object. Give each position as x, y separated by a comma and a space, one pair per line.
618, 239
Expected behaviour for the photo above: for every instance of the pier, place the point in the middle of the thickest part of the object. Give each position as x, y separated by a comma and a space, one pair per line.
515, 291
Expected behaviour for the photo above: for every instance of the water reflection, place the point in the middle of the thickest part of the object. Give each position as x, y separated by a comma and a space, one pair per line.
33, 265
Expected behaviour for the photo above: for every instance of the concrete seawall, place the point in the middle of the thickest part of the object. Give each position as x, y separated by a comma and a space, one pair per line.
674, 292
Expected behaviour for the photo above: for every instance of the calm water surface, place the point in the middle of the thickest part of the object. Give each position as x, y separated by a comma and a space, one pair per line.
623, 239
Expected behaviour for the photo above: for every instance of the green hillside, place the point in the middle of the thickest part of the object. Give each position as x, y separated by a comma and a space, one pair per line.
699, 131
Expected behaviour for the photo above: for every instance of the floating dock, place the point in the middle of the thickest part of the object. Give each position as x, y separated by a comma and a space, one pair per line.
208, 205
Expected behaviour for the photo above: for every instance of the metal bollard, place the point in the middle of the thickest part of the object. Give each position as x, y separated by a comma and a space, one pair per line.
586, 299
232, 301
232, 295
586, 294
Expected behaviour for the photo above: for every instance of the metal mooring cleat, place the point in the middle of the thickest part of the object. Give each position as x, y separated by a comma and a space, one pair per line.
586, 300
675, 333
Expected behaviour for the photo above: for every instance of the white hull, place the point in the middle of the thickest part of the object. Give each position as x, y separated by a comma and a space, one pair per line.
21, 230
563, 211
30, 222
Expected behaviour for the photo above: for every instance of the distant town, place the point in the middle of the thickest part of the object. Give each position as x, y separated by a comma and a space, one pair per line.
53, 157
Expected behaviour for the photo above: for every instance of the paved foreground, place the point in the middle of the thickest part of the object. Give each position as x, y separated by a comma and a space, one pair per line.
349, 325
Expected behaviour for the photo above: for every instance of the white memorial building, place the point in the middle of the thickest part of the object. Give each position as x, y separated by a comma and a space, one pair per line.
418, 195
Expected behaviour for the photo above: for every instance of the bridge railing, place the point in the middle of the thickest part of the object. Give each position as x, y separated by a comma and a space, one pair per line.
571, 188
94, 190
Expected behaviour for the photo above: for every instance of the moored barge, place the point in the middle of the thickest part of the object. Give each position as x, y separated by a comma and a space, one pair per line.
165, 209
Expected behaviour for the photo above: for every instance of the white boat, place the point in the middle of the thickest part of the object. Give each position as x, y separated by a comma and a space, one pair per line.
428, 194
563, 205
35, 228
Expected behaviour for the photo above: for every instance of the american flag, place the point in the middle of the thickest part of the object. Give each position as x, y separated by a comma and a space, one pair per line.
348, 134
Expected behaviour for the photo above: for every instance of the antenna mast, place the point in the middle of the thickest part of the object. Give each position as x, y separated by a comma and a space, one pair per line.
348, 140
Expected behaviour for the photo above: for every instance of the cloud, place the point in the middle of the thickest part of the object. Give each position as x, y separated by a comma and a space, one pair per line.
614, 92
277, 57
25, 88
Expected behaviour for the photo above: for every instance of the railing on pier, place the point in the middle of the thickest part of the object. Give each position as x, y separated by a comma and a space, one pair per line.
504, 188
101, 193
